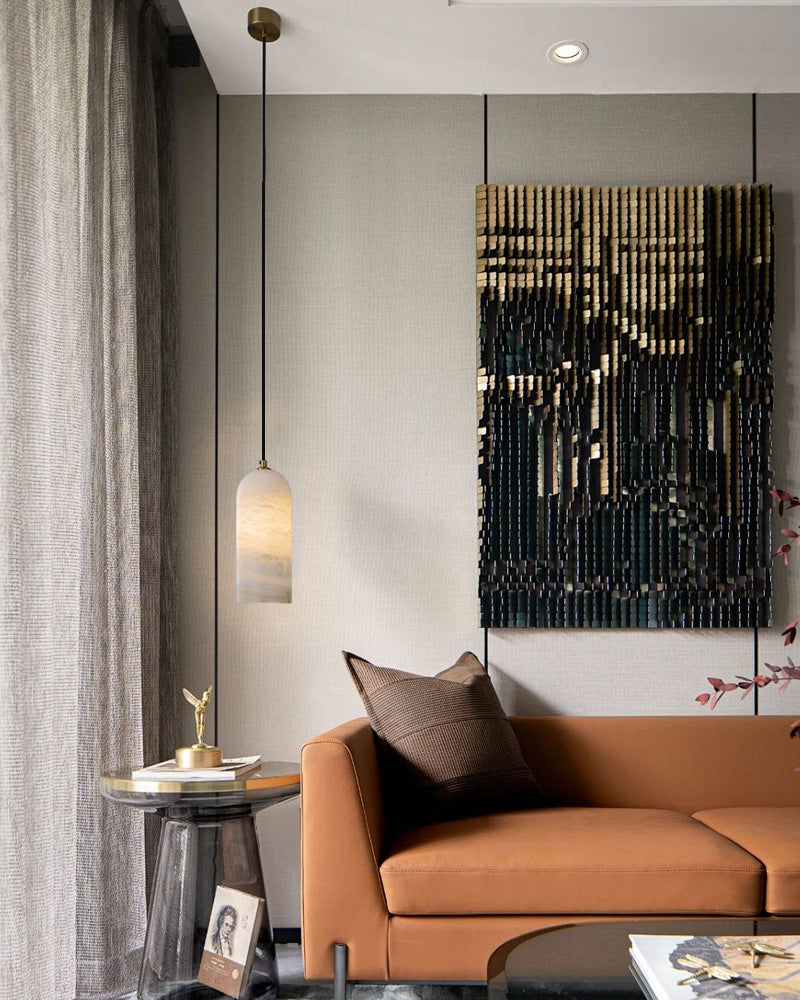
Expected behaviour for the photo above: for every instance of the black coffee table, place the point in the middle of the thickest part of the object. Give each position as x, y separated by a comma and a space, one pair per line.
591, 962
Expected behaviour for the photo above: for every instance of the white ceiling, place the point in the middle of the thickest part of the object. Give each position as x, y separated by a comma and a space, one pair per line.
495, 47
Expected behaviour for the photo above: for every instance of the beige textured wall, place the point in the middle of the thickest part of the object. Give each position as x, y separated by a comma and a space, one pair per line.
195, 166
371, 397
778, 161
676, 139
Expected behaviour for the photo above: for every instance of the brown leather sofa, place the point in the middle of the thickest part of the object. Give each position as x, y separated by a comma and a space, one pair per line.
662, 815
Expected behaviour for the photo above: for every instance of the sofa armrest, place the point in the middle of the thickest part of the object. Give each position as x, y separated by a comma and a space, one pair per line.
342, 836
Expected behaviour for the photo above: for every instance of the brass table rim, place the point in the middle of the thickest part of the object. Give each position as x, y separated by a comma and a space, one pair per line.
245, 784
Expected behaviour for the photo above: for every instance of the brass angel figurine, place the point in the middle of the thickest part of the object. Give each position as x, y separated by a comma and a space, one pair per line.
200, 706
200, 754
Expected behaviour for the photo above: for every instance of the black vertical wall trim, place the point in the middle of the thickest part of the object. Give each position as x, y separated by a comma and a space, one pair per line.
217, 855
755, 181
486, 181
755, 669
485, 138
216, 440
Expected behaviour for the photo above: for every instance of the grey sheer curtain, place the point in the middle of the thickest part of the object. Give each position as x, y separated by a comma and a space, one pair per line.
87, 362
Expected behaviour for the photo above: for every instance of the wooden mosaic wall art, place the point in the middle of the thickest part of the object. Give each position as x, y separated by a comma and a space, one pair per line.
624, 401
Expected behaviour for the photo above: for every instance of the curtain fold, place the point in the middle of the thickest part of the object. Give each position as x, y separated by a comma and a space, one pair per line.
87, 370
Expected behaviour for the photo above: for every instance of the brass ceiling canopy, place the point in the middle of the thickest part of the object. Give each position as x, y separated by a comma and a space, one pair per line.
264, 24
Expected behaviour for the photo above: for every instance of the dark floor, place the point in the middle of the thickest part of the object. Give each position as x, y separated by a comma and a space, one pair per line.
293, 985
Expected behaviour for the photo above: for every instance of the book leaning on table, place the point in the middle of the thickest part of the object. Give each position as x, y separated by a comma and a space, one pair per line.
233, 928
678, 967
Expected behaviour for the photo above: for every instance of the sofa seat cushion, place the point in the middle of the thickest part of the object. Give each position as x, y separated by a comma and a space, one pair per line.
570, 860
771, 834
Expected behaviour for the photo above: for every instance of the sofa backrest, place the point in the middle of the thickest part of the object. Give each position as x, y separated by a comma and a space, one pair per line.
685, 763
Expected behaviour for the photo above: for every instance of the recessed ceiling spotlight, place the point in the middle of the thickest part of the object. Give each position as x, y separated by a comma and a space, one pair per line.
568, 53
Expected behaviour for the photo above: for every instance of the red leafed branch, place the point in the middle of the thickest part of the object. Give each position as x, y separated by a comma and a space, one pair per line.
781, 676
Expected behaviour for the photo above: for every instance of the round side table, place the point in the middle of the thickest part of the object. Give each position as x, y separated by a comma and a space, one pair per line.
208, 838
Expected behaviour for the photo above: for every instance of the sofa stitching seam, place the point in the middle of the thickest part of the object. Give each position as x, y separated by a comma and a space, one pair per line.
599, 913
303, 938
563, 871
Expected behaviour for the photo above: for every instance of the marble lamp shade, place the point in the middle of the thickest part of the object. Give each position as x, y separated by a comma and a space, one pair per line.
264, 539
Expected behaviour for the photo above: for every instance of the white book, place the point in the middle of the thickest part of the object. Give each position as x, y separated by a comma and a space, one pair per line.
656, 958
230, 769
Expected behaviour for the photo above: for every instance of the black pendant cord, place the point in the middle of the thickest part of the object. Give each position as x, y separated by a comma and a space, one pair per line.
263, 248
216, 438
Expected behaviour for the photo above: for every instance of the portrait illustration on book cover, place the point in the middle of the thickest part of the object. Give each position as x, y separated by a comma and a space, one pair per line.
222, 939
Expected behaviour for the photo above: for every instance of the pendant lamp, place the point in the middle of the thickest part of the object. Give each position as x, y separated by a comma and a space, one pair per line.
263, 500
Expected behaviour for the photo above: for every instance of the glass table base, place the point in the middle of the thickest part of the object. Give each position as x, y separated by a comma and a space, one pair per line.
201, 848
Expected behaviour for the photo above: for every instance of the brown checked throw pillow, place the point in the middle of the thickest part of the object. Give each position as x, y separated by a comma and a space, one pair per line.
447, 745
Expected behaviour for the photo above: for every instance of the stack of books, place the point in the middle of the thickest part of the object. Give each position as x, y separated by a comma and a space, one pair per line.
229, 770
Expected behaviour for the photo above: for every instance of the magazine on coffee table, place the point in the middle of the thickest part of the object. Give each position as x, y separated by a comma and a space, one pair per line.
233, 930
760, 967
